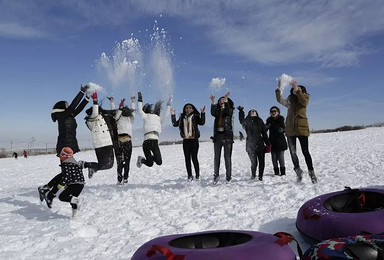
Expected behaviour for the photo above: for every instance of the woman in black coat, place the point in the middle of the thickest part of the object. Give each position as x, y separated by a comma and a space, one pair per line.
188, 125
257, 142
276, 126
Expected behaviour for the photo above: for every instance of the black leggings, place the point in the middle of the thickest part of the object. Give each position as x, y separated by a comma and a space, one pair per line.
123, 157
257, 157
70, 191
191, 149
217, 146
151, 152
105, 159
304, 149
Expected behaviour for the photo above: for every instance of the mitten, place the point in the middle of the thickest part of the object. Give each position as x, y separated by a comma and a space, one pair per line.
268, 148
139, 97
84, 88
122, 103
94, 96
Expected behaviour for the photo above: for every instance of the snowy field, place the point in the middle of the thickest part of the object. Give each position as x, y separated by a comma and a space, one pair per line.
115, 220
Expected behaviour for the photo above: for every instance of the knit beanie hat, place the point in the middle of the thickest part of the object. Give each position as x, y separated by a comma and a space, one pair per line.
66, 153
58, 108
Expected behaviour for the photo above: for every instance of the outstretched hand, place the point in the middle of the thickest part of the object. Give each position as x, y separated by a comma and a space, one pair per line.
122, 103
173, 111
111, 99
203, 109
212, 98
139, 97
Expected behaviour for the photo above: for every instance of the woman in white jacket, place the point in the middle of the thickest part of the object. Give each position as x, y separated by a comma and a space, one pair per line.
124, 117
101, 139
152, 130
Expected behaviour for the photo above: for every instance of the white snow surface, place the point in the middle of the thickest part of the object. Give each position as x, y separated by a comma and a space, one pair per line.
114, 221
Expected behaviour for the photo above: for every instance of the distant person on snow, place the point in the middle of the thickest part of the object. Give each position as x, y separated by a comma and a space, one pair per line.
72, 181
101, 139
188, 125
152, 130
65, 117
257, 142
15, 155
297, 127
222, 134
276, 127
25, 154
124, 117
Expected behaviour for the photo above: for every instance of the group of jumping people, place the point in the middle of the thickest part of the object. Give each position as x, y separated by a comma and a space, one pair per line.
111, 132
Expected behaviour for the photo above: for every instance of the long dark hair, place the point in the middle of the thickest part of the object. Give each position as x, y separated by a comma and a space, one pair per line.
294, 97
195, 111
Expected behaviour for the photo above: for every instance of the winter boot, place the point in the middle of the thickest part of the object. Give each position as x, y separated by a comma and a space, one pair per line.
139, 161
125, 181
299, 173
42, 191
215, 179
49, 196
75, 203
276, 170
282, 171
197, 176
190, 178
313, 176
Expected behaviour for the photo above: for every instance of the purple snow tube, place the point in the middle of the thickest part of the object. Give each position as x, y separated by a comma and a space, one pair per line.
223, 245
340, 214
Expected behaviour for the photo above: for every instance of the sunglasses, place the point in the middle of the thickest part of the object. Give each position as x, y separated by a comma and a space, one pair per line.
273, 111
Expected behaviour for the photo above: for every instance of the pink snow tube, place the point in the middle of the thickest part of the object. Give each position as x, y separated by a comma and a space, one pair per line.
212, 245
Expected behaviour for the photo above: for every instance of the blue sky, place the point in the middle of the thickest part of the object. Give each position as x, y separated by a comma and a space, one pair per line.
49, 48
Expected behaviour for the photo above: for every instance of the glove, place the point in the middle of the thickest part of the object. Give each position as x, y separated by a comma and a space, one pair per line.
84, 88
122, 103
240, 108
94, 96
268, 148
139, 97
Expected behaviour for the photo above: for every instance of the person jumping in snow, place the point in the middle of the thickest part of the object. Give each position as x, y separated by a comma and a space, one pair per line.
188, 125
124, 117
257, 142
152, 130
297, 126
222, 134
72, 181
276, 127
65, 117
101, 138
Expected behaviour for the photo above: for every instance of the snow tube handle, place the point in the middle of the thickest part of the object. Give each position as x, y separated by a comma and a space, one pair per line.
285, 238
308, 215
164, 251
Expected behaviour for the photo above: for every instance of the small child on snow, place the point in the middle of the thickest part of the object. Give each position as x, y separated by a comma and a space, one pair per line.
72, 181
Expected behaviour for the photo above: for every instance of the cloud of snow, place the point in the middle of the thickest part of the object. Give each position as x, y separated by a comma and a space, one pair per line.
123, 68
285, 80
217, 84
93, 87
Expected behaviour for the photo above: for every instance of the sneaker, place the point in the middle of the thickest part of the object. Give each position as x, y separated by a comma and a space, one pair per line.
299, 173
42, 191
253, 177
74, 212
197, 177
260, 178
91, 171
119, 183
125, 181
228, 180
139, 161
190, 178
216, 179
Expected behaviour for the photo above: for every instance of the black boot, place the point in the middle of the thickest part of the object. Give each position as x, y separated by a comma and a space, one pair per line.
282, 171
276, 170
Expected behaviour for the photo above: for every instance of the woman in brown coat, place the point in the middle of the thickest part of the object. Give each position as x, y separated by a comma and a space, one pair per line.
297, 126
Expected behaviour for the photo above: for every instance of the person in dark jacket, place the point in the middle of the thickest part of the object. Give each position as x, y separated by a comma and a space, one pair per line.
65, 117
222, 134
188, 125
72, 181
275, 125
257, 142
297, 127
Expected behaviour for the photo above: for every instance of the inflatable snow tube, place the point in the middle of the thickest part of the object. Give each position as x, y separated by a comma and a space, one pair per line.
340, 214
212, 245
362, 247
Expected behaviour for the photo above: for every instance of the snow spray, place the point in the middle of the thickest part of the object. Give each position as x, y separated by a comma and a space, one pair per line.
93, 87
285, 80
